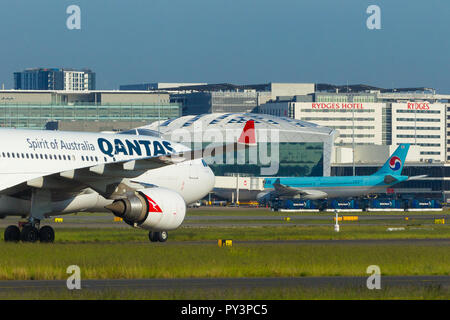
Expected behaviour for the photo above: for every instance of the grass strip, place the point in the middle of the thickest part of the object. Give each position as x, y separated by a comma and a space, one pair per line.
24, 261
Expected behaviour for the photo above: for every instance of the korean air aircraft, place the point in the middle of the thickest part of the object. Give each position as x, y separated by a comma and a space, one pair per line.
337, 187
137, 175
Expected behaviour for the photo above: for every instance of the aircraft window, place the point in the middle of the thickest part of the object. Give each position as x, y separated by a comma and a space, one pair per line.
82, 158
92, 158
64, 157
59, 156
8, 154
106, 160
45, 156
96, 159
13, 155
3, 154
28, 157
18, 155
40, 155
23, 156
114, 159
32, 156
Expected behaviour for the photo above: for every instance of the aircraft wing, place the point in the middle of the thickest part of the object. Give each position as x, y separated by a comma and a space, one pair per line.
112, 179
286, 191
418, 177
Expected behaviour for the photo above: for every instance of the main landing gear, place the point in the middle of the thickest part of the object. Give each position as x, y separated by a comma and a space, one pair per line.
160, 236
30, 233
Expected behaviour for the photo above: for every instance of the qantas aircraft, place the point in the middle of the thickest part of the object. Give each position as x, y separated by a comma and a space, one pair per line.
137, 175
334, 187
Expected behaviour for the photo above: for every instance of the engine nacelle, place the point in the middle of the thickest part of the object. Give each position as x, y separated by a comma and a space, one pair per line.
155, 209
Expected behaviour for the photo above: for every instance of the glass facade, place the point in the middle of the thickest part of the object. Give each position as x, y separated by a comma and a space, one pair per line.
336, 97
35, 116
294, 159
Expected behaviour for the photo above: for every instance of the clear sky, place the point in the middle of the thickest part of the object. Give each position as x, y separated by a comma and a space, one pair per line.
236, 41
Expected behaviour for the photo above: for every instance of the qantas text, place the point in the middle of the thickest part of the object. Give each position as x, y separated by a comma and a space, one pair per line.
134, 147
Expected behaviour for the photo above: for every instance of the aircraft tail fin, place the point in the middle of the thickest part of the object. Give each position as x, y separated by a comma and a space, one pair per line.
394, 164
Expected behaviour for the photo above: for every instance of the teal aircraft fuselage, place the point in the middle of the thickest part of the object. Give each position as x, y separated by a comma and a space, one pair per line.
336, 187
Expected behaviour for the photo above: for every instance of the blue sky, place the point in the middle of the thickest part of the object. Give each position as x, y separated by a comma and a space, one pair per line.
245, 41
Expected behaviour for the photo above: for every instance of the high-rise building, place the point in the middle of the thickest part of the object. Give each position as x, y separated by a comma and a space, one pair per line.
79, 80
39, 79
54, 79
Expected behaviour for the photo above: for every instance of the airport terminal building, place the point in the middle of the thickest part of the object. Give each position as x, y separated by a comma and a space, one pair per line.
101, 110
422, 124
321, 129
293, 147
285, 147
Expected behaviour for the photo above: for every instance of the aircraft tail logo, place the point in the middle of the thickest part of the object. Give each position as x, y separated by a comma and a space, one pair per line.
394, 164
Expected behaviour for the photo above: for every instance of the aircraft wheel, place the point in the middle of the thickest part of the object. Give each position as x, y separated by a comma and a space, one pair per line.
153, 236
162, 236
47, 234
29, 234
12, 234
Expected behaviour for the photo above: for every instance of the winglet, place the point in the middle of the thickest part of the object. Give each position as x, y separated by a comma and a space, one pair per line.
248, 136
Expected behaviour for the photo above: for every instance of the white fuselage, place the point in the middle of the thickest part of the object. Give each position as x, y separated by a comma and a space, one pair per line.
28, 155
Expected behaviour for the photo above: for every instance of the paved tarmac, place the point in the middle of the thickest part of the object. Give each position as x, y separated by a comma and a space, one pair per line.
372, 219
221, 283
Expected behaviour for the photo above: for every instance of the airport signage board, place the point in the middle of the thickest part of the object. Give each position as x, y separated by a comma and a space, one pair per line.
336, 105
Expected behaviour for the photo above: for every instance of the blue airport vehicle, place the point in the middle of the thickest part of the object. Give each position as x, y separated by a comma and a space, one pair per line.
344, 204
385, 204
425, 204
298, 204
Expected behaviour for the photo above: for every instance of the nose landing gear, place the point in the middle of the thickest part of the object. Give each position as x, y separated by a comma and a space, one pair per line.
158, 236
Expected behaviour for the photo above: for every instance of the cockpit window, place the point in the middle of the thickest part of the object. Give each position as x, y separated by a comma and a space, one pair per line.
132, 131
148, 132
142, 132
204, 163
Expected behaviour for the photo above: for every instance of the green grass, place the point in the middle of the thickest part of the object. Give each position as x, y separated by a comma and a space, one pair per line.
179, 260
296, 293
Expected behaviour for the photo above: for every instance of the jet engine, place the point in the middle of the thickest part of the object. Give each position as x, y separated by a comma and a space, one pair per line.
156, 209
